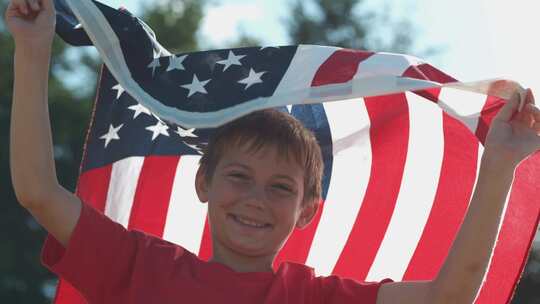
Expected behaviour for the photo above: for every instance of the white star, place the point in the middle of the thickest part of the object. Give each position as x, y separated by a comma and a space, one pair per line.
139, 108
78, 26
175, 63
155, 63
112, 134
120, 90
185, 133
231, 60
196, 86
158, 129
194, 147
252, 79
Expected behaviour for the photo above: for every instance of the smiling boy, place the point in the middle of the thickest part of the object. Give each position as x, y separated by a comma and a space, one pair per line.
261, 178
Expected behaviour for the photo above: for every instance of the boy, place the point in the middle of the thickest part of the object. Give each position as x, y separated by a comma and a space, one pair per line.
258, 190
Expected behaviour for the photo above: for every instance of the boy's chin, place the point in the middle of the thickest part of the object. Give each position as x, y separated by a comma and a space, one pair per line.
251, 250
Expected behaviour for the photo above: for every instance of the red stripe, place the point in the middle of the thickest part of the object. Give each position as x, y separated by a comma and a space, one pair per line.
339, 67
154, 187
92, 188
296, 249
456, 182
389, 135
430, 94
516, 236
434, 74
205, 251
490, 109
67, 294
427, 72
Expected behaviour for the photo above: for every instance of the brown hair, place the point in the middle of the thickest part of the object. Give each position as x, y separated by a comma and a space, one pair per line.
275, 128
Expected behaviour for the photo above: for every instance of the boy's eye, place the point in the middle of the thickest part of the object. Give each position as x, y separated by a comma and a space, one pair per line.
238, 175
283, 187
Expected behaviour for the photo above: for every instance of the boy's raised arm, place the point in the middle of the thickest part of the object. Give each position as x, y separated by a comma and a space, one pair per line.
512, 137
31, 154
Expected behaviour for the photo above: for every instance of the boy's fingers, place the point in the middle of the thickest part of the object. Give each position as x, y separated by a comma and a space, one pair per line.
530, 96
535, 111
21, 5
34, 4
508, 110
48, 4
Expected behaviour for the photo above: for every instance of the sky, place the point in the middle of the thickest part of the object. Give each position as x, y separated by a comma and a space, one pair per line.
480, 39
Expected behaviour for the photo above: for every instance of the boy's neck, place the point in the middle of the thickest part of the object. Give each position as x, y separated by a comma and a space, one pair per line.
242, 263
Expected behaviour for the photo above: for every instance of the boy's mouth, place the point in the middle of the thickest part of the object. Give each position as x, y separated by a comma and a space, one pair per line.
248, 222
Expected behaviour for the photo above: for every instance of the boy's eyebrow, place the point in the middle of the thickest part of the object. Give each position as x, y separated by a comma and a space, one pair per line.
238, 165
286, 177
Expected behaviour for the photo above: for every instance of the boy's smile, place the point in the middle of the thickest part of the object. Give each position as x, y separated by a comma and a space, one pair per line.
254, 203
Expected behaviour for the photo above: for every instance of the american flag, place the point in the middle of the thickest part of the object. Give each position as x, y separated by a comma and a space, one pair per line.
401, 142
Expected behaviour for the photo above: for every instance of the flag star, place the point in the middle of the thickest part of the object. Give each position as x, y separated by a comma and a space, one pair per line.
112, 134
252, 79
231, 60
120, 90
194, 147
196, 86
158, 129
185, 133
155, 63
139, 108
175, 63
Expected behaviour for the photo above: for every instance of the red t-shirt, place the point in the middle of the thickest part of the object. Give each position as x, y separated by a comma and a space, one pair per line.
109, 264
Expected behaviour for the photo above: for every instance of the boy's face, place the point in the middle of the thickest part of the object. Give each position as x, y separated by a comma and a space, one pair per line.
254, 201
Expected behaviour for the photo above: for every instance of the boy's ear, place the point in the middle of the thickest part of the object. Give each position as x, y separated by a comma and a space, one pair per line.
201, 186
306, 216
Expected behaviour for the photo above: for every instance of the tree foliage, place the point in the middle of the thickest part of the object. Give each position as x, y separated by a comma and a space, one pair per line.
346, 23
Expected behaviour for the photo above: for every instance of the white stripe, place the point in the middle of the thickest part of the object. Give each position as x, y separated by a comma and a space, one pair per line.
186, 215
383, 63
122, 187
417, 192
462, 105
350, 176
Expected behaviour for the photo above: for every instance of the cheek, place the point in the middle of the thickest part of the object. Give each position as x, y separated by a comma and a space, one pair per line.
286, 212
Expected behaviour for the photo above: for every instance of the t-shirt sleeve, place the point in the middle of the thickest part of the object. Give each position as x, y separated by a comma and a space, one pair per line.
104, 260
340, 290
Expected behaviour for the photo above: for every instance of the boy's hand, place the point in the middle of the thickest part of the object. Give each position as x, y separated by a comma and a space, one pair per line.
514, 135
31, 22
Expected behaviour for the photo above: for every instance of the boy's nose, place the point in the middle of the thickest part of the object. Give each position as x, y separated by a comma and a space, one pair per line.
256, 198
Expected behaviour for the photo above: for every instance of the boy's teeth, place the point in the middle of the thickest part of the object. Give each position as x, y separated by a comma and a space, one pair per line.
248, 222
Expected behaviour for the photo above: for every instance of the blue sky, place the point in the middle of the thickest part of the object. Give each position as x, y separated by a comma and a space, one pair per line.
481, 39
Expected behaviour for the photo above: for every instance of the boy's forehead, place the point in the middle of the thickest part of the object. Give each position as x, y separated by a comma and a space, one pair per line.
267, 152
